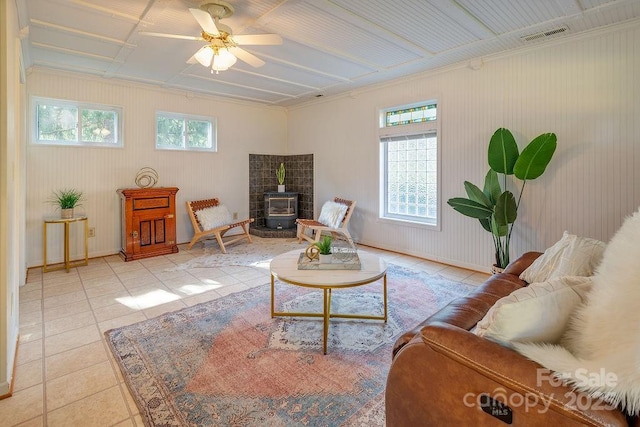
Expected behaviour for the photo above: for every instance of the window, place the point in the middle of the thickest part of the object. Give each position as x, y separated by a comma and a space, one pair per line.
405, 116
61, 122
409, 189
183, 132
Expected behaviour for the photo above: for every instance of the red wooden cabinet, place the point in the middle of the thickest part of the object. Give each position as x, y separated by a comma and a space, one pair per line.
148, 222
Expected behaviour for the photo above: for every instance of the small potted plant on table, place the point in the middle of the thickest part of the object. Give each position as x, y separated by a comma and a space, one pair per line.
66, 200
324, 247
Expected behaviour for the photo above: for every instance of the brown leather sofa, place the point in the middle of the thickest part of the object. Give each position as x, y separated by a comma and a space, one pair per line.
444, 375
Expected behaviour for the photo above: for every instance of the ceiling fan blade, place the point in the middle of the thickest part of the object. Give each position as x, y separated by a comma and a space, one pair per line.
170, 36
258, 39
247, 57
205, 21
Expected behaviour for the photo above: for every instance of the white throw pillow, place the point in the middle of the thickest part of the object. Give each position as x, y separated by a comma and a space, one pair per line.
570, 256
214, 217
332, 214
536, 313
603, 337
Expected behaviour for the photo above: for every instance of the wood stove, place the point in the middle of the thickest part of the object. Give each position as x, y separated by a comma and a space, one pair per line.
280, 209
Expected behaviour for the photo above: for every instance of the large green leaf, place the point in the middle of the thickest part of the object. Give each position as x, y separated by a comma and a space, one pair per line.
498, 230
535, 157
476, 194
492, 186
469, 208
506, 210
503, 151
486, 224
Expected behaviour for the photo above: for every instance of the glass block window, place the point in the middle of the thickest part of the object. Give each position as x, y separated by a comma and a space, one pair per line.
63, 122
410, 167
409, 159
176, 131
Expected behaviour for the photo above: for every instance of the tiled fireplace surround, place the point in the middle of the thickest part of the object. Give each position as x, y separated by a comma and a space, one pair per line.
262, 178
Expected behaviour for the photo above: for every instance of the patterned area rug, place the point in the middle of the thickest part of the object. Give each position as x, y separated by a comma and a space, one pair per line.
227, 363
242, 253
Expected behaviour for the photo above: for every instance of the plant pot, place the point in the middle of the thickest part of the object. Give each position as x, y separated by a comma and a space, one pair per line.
495, 269
280, 188
326, 259
66, 213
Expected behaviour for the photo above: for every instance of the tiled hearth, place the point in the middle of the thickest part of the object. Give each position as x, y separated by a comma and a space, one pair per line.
262, 178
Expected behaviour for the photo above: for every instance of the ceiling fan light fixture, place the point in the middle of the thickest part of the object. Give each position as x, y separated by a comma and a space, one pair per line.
204, 56
222, 60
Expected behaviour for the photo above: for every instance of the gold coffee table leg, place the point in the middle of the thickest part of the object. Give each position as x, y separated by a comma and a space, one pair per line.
384, 293
272, 298
327, 315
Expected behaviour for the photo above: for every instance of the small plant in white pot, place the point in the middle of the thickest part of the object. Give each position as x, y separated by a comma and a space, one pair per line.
324, 247
66, 200
280, 173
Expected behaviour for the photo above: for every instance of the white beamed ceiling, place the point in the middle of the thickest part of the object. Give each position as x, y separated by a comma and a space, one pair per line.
330, 46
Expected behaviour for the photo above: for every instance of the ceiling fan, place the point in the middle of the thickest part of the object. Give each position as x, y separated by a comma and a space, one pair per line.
222, 49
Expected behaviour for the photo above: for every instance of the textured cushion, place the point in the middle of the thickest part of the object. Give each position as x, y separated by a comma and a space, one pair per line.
536, 313
214, 217
570, 256
332, 214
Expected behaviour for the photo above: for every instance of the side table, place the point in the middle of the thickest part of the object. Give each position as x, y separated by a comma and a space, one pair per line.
67, 264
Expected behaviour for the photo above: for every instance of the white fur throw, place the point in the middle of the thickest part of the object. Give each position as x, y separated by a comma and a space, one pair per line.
332, 214
601, 353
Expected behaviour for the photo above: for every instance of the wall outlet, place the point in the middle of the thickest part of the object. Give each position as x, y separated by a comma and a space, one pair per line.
235, 215
92, 232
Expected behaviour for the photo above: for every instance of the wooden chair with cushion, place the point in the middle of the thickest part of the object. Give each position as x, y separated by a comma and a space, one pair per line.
317, 228
218, 231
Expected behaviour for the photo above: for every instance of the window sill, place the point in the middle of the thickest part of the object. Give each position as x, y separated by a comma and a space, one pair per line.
407, 223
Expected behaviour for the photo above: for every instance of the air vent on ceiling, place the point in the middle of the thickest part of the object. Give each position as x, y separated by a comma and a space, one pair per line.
544, 34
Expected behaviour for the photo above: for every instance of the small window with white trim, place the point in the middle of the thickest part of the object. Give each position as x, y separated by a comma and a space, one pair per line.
176, 131
64, 122
409, 163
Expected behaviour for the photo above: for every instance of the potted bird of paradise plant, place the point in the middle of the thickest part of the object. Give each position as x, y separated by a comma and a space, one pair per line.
494, 206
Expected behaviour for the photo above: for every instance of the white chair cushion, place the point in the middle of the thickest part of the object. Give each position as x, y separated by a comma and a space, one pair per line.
570, 256
332, 214
536, 313
214, 217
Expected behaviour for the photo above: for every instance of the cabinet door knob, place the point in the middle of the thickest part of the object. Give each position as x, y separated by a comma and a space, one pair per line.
134, 234
169, 216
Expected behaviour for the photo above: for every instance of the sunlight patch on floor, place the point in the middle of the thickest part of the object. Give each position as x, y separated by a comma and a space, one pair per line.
198, 289
266, 264
148, 300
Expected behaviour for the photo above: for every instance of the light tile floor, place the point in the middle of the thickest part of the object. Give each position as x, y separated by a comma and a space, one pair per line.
65, 374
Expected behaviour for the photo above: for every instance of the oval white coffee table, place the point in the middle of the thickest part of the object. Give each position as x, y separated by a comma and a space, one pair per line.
285, 268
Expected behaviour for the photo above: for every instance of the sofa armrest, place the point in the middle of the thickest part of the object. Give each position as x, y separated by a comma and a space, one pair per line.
465, 312
519, 265
438, 378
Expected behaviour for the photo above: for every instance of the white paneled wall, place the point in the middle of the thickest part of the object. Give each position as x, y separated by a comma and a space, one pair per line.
242, 129
585, 90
